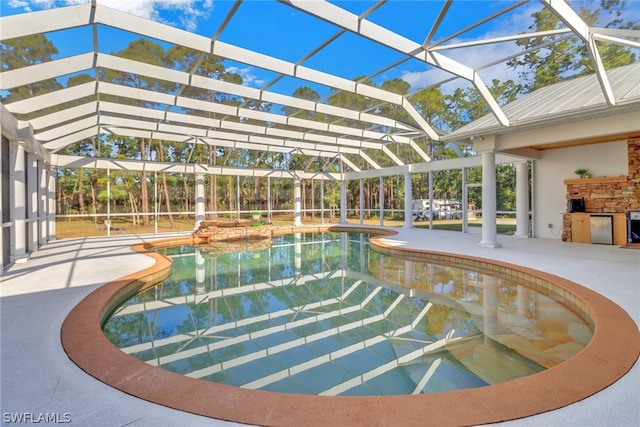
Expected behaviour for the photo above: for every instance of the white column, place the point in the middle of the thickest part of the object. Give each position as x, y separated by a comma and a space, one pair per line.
430, 200
408, 201
381, 196
200, 208
155, 202
238, 197
32, 202
522, 199
51, 201
489, 217
343, 202
107, 223
465, 202
361, 201
322, 201
297, 203
17, 181
269, 199
42, 203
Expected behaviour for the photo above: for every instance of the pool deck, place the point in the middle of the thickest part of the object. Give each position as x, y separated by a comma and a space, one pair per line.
38, 378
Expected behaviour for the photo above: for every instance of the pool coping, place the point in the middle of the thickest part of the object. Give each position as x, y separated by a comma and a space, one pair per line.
611, 353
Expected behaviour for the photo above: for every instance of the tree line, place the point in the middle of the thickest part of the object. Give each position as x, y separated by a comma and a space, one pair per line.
85, 191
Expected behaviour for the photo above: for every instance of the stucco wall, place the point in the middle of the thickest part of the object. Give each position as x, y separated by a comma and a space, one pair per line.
554, 166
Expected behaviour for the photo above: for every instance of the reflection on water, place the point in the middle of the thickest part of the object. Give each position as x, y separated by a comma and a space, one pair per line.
324, 314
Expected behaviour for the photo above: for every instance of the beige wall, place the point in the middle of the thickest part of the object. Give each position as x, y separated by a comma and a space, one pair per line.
554, 166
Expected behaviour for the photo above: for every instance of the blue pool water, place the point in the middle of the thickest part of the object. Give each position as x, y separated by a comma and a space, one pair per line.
324, 314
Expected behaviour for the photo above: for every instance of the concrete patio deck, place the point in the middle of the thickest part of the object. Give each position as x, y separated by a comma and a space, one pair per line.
37, 376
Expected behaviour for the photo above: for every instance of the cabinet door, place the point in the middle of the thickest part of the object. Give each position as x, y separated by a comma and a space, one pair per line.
580, 228
619, 229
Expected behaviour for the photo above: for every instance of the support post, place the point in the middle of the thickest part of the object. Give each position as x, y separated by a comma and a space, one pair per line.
51, 201
361, 201
489, 217
32, 202
155, 202
19, 207
238, 197
200, 209
381, 197
343, 201
107, 223
465, 202
408, 201
269, 199
42, 203
522, 199
430, 200
322, 200
297, 203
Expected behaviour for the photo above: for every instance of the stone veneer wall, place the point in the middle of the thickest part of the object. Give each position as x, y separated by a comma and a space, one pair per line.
608, 197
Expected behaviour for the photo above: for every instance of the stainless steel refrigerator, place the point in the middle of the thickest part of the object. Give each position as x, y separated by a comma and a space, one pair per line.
602, 229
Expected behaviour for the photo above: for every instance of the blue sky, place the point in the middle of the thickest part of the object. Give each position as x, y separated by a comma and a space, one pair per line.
286, 33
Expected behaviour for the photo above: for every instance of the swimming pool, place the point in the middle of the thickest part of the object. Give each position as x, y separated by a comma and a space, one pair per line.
324, 314
610, 354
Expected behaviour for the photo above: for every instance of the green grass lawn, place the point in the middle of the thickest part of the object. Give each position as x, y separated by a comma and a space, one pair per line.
81, 227
72, 227
86, 227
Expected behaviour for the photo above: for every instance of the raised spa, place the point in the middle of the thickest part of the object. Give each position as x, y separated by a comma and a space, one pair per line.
325, 314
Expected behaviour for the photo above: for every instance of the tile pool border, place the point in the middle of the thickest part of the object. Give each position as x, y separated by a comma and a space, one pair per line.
611, 353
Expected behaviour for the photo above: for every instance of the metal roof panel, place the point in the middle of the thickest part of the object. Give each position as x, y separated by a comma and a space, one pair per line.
556, 101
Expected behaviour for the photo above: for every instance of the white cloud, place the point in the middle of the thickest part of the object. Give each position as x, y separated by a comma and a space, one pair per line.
30, 5
248, 77
479, 56
188, 12
17, 4
143, 8
420, 79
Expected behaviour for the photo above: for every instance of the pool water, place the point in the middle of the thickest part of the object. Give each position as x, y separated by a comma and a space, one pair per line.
324, 314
